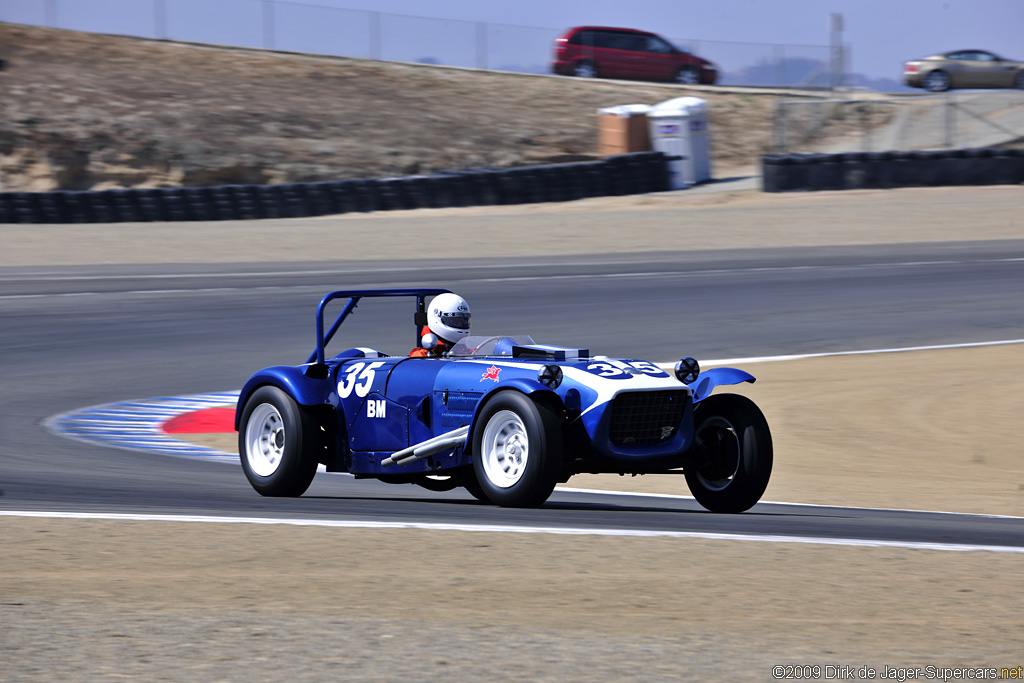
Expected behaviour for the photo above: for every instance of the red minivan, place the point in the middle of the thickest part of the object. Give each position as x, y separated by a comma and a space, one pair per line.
598, 51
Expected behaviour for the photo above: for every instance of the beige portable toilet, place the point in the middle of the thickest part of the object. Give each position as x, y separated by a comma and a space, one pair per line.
679, 129
623, 129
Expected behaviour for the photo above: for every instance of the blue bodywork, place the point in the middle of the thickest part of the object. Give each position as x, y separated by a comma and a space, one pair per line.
372, 405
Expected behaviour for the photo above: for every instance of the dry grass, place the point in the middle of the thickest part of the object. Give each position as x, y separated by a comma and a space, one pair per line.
86, 111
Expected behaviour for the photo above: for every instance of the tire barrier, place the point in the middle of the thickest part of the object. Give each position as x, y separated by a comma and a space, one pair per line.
616, 175
883, 170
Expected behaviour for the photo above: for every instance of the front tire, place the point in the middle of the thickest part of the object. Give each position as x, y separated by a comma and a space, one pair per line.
275, 444
687, 76
936, 81
517, 450
1018, 81
735, 454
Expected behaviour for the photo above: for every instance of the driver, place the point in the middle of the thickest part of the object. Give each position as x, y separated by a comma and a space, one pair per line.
447, 322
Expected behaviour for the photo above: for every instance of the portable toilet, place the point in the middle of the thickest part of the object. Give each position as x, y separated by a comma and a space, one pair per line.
623, 129
679, 129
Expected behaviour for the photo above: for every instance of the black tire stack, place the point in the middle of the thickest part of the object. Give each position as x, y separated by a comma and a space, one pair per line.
621, 174
881, 170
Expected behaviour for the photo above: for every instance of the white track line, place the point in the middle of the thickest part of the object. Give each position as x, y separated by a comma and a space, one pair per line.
905, 349
674, 496
494, 528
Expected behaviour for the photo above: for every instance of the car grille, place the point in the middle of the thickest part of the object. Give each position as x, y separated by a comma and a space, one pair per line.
642, 418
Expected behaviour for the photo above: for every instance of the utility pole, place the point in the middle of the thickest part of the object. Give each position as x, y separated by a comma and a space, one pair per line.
836, 69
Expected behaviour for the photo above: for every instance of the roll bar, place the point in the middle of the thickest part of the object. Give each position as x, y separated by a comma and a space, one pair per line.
354, 295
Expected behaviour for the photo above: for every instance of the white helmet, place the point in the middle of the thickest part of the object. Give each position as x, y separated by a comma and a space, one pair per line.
448, 317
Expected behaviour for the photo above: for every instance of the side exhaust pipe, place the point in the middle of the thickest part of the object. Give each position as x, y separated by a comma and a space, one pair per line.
456, 437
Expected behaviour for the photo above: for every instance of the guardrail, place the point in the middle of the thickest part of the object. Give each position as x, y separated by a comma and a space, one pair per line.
616, 175
883, 170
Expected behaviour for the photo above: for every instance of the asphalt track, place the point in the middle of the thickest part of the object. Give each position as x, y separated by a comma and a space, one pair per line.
74, 337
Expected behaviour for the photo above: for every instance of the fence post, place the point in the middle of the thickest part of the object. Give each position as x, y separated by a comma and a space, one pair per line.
481, 45
268, 24
160, 19
950, 121
779, 129
780, 66
50, 11
374, 19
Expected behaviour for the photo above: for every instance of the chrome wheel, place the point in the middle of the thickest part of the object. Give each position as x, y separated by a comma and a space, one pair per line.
506, 449
264, 440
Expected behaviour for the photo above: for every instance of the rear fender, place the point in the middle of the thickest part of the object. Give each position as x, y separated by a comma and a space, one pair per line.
306, 391
709, 379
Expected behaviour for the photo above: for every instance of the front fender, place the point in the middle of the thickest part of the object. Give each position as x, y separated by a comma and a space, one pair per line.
520, 384
292, 380
707, 380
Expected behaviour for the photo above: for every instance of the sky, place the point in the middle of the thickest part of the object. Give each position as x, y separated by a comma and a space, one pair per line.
881, 33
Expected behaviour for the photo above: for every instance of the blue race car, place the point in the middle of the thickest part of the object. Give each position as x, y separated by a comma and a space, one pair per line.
501, 416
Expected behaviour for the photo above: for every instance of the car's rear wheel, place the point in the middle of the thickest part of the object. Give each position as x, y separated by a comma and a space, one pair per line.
936, 81
687, 76
1018, 82
517, 450
275, 444
734, 450
585, 69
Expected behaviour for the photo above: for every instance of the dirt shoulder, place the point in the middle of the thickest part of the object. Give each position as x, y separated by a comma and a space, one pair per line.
166, 601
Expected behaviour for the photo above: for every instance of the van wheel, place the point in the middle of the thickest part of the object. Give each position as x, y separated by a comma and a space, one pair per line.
687, 76
585, 69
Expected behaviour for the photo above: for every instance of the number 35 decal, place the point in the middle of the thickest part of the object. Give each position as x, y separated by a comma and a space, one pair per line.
625, 370
359, 377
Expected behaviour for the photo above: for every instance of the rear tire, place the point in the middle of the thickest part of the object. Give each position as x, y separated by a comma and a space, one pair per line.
585, 69
1018, 81
735, 451
517, 450
276, 444
936, 81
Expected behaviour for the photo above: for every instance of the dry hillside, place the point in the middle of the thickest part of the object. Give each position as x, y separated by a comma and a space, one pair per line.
87, 111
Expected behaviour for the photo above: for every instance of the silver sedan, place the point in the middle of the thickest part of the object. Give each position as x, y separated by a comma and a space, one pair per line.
963, 69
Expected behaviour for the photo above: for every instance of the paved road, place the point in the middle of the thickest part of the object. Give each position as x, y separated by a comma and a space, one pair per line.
77, 337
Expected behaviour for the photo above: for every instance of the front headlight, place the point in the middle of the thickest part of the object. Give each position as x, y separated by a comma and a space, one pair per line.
687, 369
550, 376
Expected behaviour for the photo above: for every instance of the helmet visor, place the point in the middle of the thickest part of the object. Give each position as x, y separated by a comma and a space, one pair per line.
457, 320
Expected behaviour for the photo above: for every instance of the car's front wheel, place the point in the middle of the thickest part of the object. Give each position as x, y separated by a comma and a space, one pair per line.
936, 81
517, 450
734, 454
1018, 82
687, 76
274, 442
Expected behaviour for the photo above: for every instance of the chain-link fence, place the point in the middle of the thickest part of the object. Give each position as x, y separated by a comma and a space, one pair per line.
950, 120
311, 28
